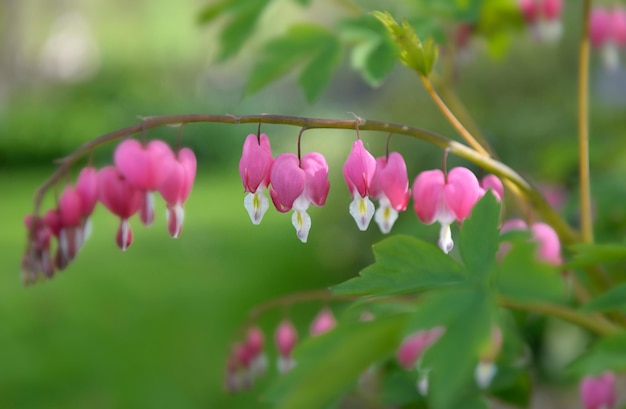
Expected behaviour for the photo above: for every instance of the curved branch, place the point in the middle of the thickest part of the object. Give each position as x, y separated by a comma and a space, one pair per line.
567, 234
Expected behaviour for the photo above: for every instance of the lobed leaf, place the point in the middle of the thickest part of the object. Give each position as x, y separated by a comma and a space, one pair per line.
404, 264
606, 354
586, 255
480, 237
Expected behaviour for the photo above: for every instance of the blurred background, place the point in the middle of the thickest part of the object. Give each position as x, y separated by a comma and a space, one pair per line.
152, 327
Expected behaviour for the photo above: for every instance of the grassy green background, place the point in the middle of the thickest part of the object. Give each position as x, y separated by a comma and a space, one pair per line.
152, 327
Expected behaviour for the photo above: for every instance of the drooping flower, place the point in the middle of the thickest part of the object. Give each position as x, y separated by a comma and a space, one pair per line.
414, 345
494, 184
323, 322
254, 168
390, 185
122, 199
37, 259
437, 198
88, 188
70, 213
358, 172
254, 344
598, 392
143, 167
543, 18
607, 32
285, 338
548, 242
175, 187
288, 181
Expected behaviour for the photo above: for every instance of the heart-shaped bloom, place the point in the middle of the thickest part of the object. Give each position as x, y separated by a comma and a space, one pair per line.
549, 244
390, 185
598, 392
288, 181
285, 338
437, 198
543, 18
323, 322
175, 187
122, 199
143, 167
254, 168
254, 343
358, 172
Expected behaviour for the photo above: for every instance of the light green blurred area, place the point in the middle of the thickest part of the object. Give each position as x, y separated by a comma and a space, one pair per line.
152, 327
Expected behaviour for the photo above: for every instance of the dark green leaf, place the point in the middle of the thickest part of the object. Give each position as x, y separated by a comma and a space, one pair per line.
586, 255
480, 237
404, 264
467, 316
607, 353
521, 277
329, 363
312, 46
613, 299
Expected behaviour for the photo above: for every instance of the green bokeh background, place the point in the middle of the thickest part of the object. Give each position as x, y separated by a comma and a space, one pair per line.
152, 327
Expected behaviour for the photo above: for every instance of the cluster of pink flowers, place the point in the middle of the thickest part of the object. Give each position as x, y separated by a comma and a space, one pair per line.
607, 32
124, 189
295, 184
248, 360
543, 18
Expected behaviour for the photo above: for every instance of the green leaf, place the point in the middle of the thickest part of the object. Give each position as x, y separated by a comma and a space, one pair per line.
512, 385
606, 354
404, 264
613, 299
374, 54
311, 46
414, 53
480, 237
521, 277
468, 316
586, 255
243, 16
329, 363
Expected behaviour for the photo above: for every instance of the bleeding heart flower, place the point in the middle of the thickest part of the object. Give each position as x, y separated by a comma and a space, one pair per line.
122, 199
175, 187
70, 212
549, 245
390, 185
358, 172
254, 167
323, 322
414, 345
143, 167
316, 187
494, 184
598, 392
437, 198
285, 338
288, 181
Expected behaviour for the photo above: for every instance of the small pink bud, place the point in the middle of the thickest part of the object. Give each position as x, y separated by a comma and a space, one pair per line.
285, 338
549, 244
323, 322
415, 344
598, 392
494, 184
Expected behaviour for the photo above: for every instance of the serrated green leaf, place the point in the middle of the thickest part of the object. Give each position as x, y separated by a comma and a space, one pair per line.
586, 255
329, 363
404, 264
521, 277
414, 53
480, 237
605, 354
308, 45
613, 299
467, 315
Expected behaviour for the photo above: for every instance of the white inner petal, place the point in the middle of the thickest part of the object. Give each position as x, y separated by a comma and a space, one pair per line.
362, 210
386, 215
484, 373
256, 204
445, 238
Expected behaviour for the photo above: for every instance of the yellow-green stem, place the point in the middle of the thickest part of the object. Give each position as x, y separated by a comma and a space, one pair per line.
583, 128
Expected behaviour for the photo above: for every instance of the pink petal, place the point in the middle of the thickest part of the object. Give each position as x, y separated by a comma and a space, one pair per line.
552, 9
391, 179
285, 338
359, 169
549, 244
288, 181
117, 194
600, 23
142, 166
618, 25
70, 207
461, 192
256, 162
598, 392
427, 190
493, 183
323, 322
316, 172
88, 188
